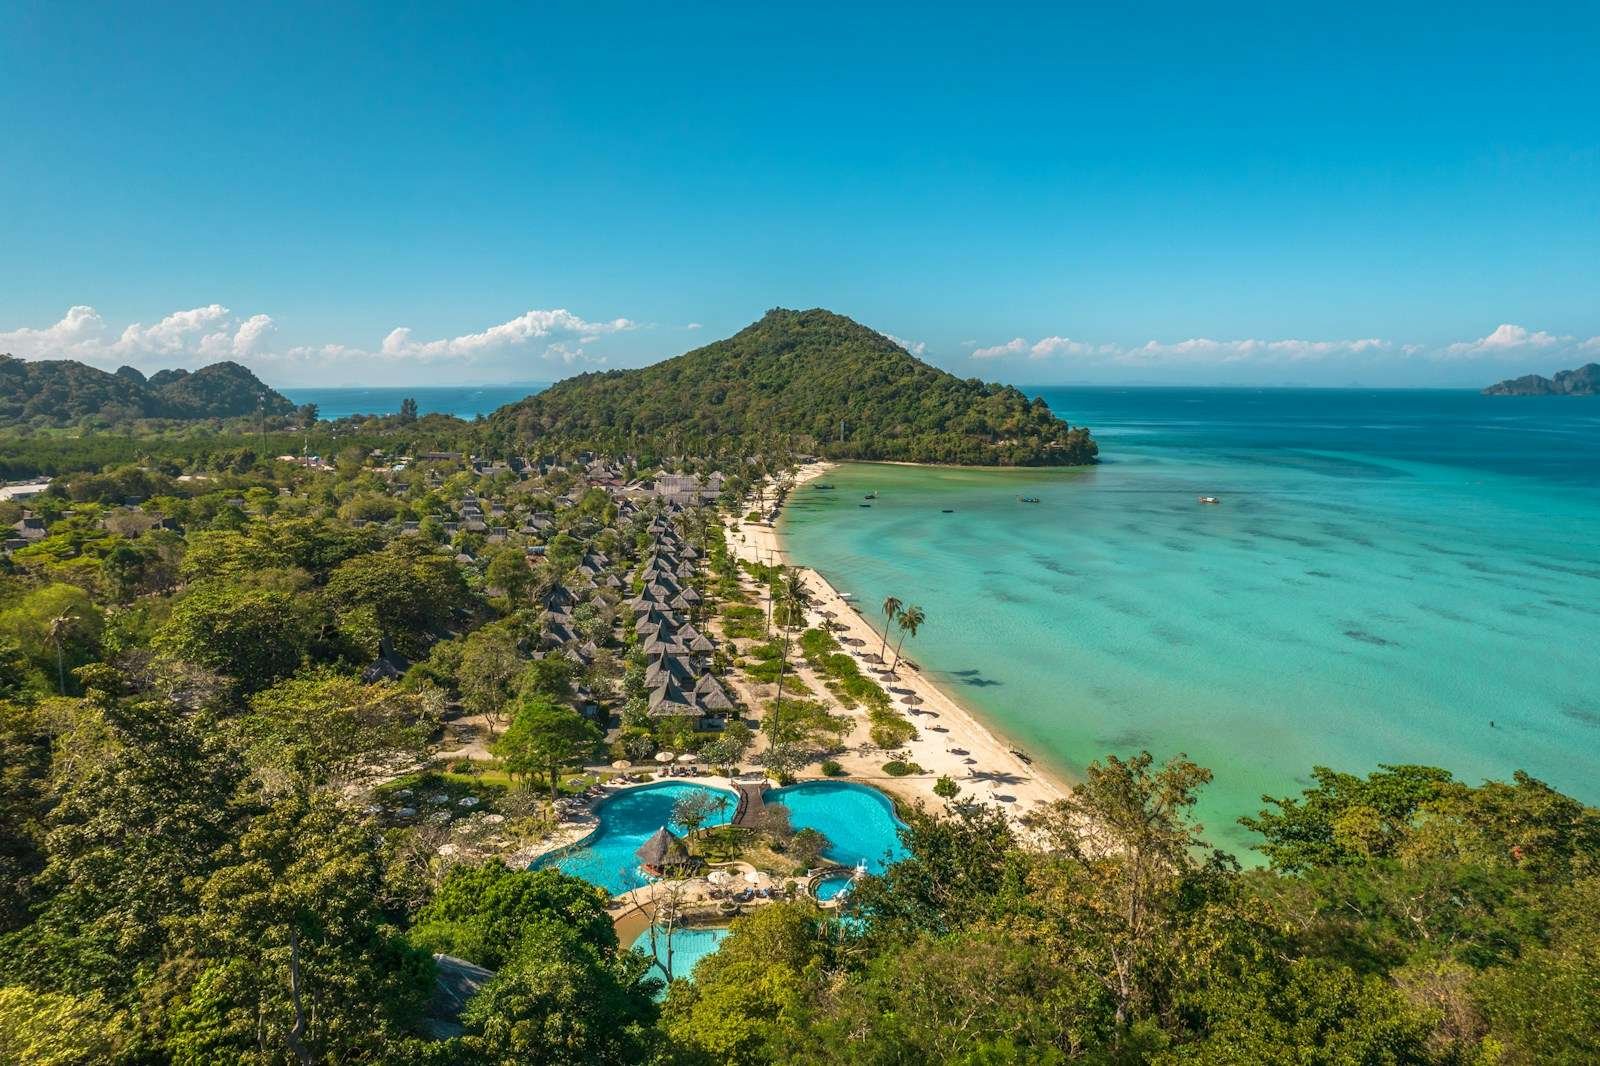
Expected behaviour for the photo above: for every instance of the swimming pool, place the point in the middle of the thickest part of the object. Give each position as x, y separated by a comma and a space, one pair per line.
831, 886
627, 819
689, 946
858, 821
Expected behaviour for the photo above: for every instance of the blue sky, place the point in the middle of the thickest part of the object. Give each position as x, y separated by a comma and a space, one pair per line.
1109, 193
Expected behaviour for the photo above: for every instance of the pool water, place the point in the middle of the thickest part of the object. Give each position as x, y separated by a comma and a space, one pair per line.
689, 946
858, 821
831, 887
627, 820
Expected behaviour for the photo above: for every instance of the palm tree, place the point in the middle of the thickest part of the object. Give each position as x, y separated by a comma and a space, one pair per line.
911, 620
795, 597
62, 626
891, 610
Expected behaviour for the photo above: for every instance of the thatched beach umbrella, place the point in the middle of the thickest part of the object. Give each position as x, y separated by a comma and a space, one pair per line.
687, 756
665, 756
913, 700
622, 764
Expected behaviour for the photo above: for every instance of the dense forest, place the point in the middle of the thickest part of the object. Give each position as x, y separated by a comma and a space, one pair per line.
61, 392
812, 381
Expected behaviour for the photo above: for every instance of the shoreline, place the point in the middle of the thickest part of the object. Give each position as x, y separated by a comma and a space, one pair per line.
994, 775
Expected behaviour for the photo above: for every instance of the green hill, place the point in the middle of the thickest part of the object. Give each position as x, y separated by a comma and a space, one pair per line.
1584, 381
64, 391
811, 380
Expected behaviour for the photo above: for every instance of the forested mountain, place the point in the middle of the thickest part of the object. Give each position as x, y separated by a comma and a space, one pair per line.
814, 381
63, 391
1584, 381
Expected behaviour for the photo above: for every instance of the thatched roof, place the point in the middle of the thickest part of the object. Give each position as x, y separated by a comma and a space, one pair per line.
662, 849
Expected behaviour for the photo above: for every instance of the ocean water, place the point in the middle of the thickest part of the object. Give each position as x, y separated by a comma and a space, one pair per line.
1391, 576
463, 401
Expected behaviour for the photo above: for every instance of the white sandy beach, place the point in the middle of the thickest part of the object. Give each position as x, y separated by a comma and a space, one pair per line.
951, 741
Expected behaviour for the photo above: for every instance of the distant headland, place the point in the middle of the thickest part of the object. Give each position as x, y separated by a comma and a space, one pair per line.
1584, 381
58, 392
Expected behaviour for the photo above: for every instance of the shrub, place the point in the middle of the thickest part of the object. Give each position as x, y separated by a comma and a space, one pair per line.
831, 768
900, 768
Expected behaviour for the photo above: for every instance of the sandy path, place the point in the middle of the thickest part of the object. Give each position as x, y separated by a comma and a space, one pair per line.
993, 773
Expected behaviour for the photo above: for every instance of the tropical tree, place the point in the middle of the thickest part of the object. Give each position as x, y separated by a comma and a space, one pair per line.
481, 911
295, 955
694, 809
794, 596
891, 611
508, 571
61, 627
562, 1001
321, 727
545, 736
489, 663
253, 635
910, 621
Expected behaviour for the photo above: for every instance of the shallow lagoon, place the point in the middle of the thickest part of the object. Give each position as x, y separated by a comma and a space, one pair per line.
1387, 573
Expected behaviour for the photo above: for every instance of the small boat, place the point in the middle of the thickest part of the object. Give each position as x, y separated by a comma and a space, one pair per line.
863, 505
873, 495
1027, 499
824, 486
1209, 499
1019, 753
948, 510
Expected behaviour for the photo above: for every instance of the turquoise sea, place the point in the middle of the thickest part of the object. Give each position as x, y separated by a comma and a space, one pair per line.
1390, 576
463, 401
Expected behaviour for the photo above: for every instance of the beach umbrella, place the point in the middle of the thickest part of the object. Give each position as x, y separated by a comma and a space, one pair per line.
687, 756
913, 700
622, 764
665, 756
752, 877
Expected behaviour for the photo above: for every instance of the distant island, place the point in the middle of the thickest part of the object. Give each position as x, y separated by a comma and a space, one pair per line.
58, 392
813, 381
1584, 381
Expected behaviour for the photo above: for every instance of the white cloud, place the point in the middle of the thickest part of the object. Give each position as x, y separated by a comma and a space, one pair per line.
914, 347
1512, 345
1506, 338
1010, 347
252, 335
529, 326
211, 333
1044, 349
693, 325
1290, 350
173, 335
80, 327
